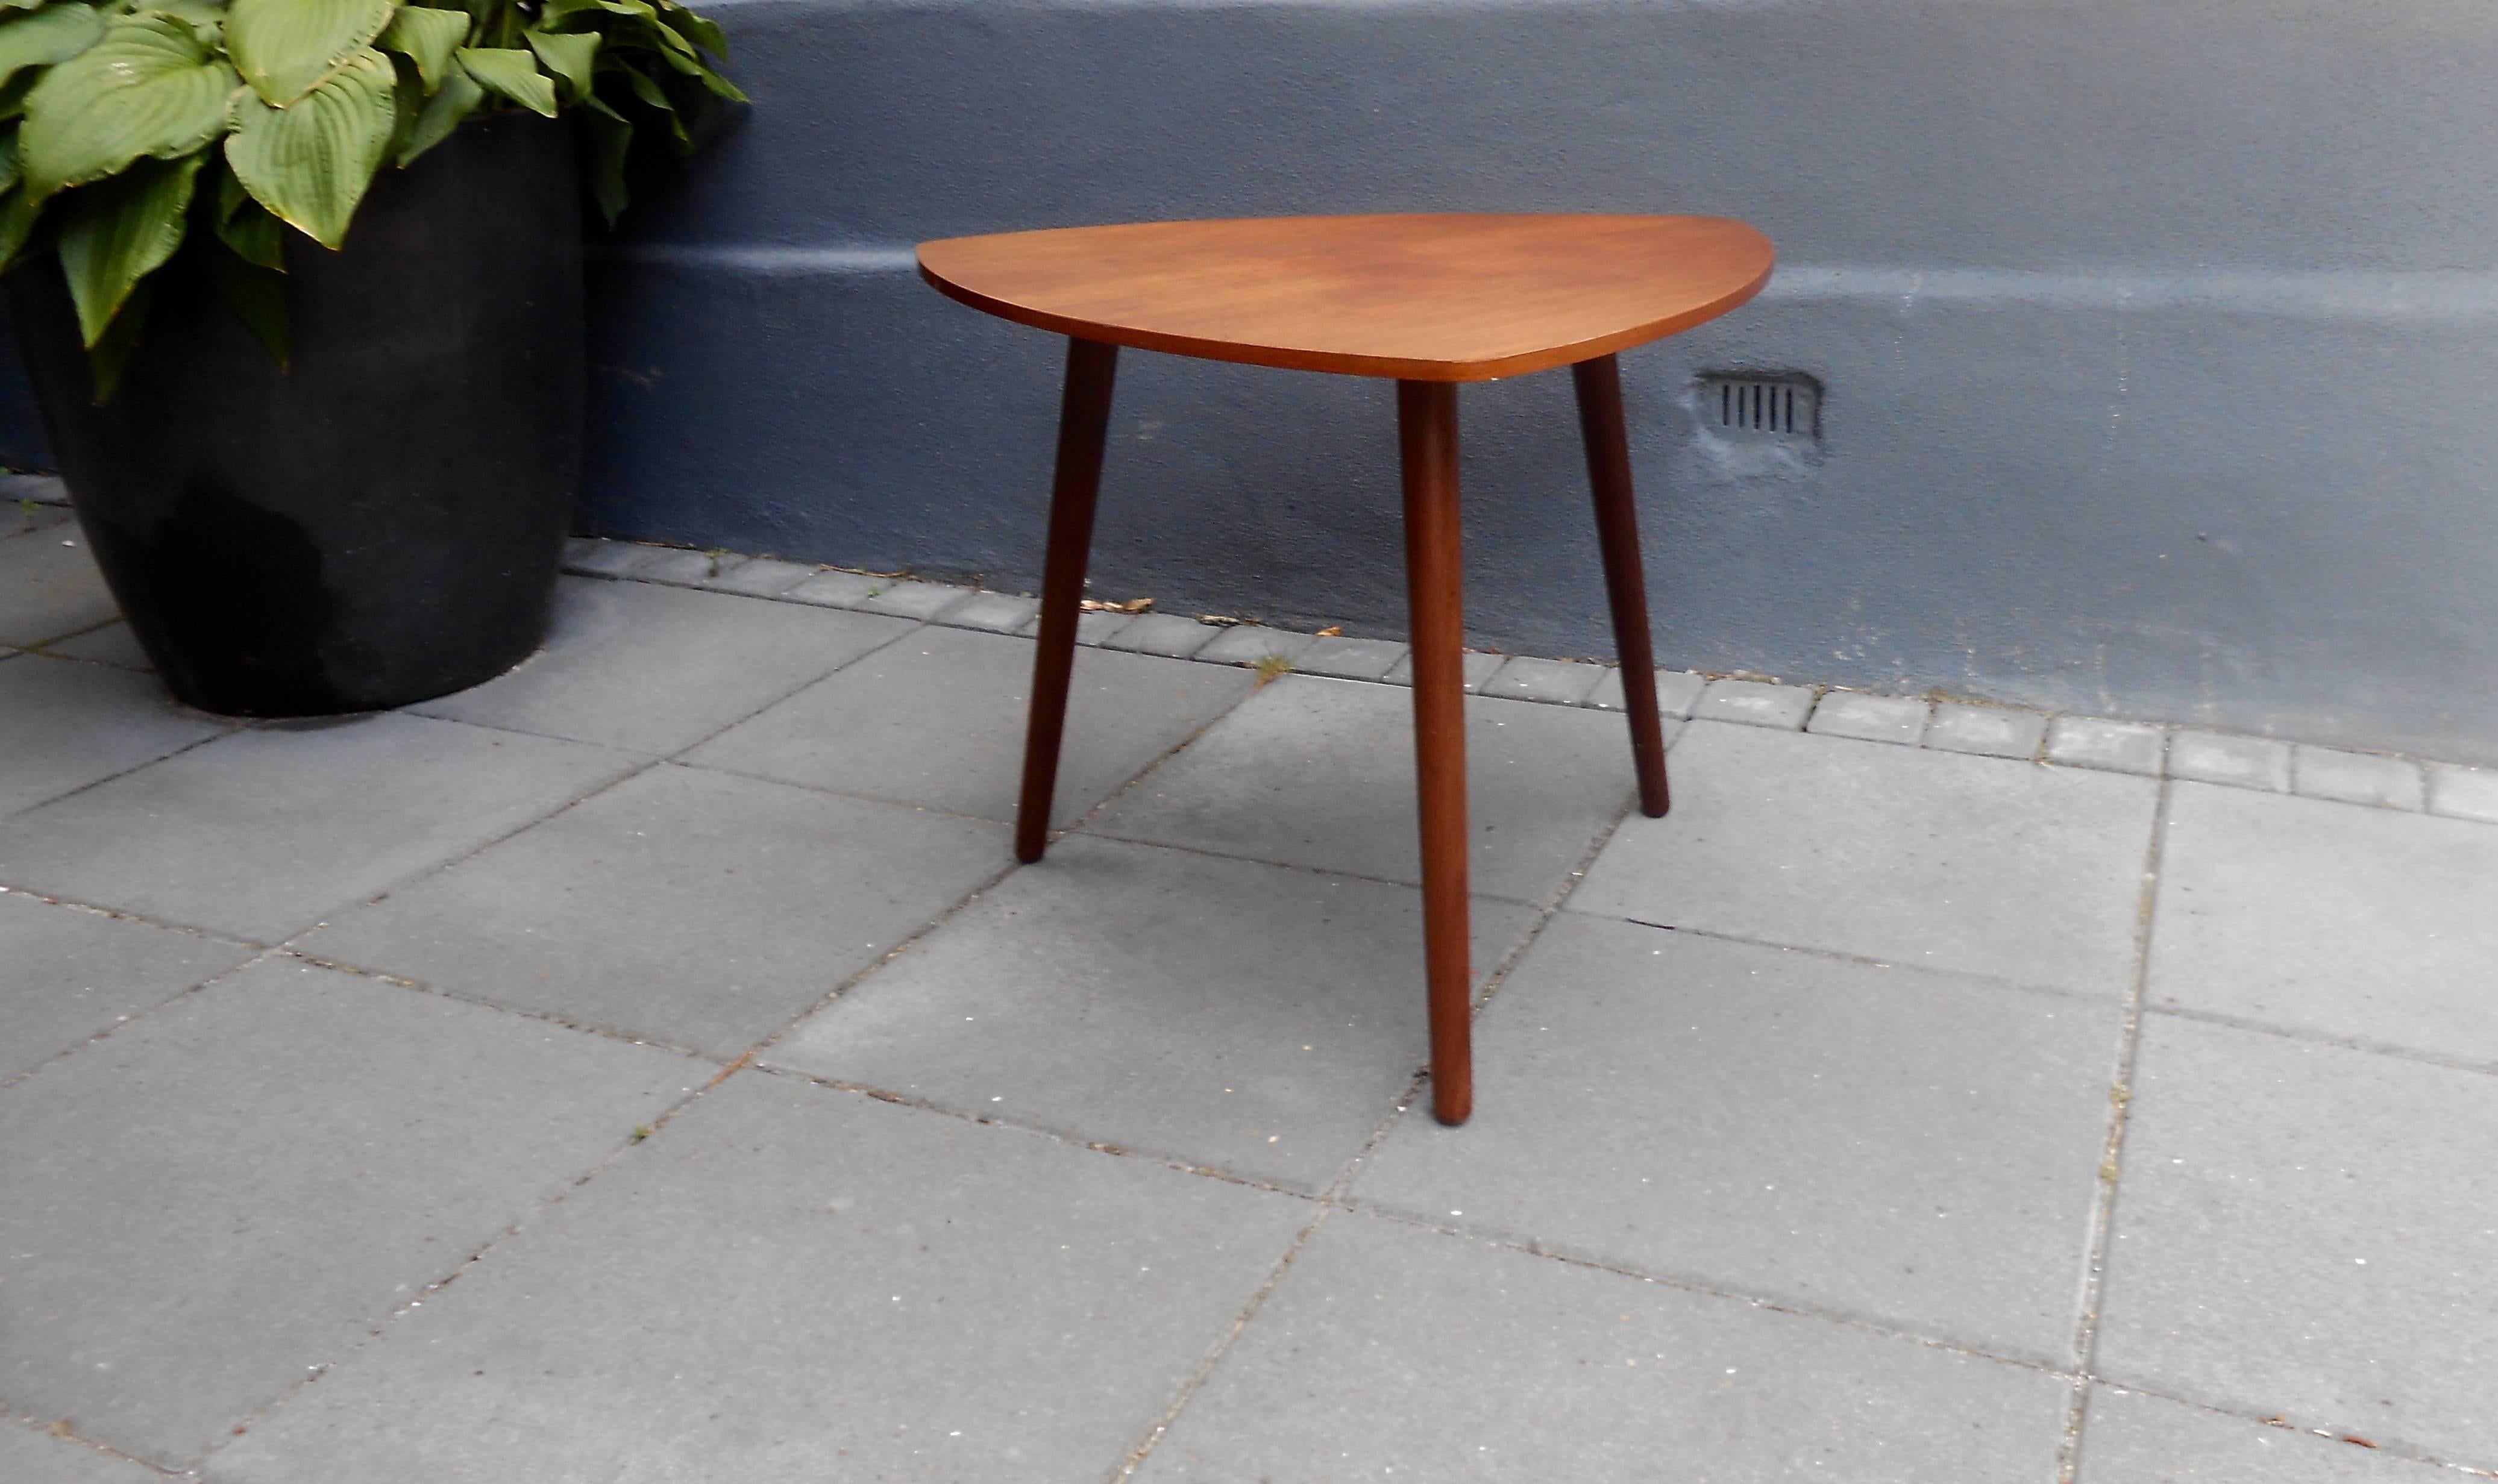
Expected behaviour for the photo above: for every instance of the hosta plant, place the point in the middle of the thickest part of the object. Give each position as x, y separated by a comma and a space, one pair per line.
134, 130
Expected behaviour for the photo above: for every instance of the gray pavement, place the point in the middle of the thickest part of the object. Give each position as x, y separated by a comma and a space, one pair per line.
652, 1066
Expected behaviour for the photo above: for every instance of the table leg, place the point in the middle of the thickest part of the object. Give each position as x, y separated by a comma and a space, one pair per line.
1609, 475
1083, 425
1426, 420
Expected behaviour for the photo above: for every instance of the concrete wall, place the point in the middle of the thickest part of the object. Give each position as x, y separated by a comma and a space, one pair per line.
2156, 335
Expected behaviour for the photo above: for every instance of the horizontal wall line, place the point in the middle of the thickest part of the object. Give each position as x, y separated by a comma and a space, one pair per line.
766, 262
2303, 293
2318, 294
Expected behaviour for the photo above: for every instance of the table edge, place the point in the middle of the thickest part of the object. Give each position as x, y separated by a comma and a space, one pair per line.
1400, 369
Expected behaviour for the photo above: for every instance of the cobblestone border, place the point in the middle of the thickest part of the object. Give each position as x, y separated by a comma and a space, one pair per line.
2150, 749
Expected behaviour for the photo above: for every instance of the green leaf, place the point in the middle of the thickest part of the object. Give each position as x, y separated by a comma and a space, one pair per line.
114, 233
287, 48
557, 12
458, 98
107, 359
53, 34
207, 17
255, 236
512, 73
568, 57
148, 88
9, 174
428, 38
702, 32
611, 139
17, 225
258, 297
310, 164
654, 98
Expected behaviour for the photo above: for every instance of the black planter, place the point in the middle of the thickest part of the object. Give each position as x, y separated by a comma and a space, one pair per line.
384, 522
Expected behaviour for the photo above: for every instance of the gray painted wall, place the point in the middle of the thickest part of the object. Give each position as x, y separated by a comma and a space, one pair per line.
2157, 333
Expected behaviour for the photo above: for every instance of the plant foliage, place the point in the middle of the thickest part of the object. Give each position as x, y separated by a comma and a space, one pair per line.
131, 128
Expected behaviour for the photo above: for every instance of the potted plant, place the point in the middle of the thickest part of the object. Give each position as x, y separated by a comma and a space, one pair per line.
298, 283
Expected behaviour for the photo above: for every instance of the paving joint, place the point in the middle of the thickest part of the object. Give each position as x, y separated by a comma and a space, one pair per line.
2103, 1222
1965, 724
133, 1019
2322, 1038
67, 1431
466, 997
94, 784
2065, 993
1334, 1197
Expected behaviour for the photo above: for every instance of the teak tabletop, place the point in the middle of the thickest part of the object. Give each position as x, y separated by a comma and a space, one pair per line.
1429, 301
1415, 298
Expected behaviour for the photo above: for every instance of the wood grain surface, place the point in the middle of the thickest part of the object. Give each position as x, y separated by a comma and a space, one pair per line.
1419, 298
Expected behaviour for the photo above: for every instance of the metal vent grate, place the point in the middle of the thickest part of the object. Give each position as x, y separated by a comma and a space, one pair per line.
1764, 406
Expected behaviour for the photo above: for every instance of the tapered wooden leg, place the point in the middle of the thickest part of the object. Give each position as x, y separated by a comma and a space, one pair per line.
1083, 424
1427, 419
1609, 475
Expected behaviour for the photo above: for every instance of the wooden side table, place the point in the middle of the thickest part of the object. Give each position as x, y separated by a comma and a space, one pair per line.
1429, 301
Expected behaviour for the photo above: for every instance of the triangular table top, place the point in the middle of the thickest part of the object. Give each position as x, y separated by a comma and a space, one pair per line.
1420, 298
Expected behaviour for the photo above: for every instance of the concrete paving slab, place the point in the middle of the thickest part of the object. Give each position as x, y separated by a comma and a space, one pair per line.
1988, 731
1320, 773
65, 724
1930, 858
2463, 792
1166, 634
111, 644
2306, 1230
763, 577
598, 556
683, 907
49, 588
1251, 1018
2359, 923
906, 599
1476, 669
793, 1283
20, 515
1898, 719
35, 489
1246, 644
1553, 681
2129, 1438
833, 589
1093, 627
656, 669
1390, 1352
1677, 691
2357, 777
1350, 660
938, 720
2118, 746
71, 974
229, 1194
1754, 703
999, 613
1098, 627
264, 830
2240, 762
1912, 1149
689, 569
29, 1455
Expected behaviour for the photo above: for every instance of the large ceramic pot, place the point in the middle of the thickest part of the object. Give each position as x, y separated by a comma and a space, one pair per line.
382, 523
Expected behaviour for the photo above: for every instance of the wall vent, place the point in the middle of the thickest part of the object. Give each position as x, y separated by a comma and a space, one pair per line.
1762, 406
